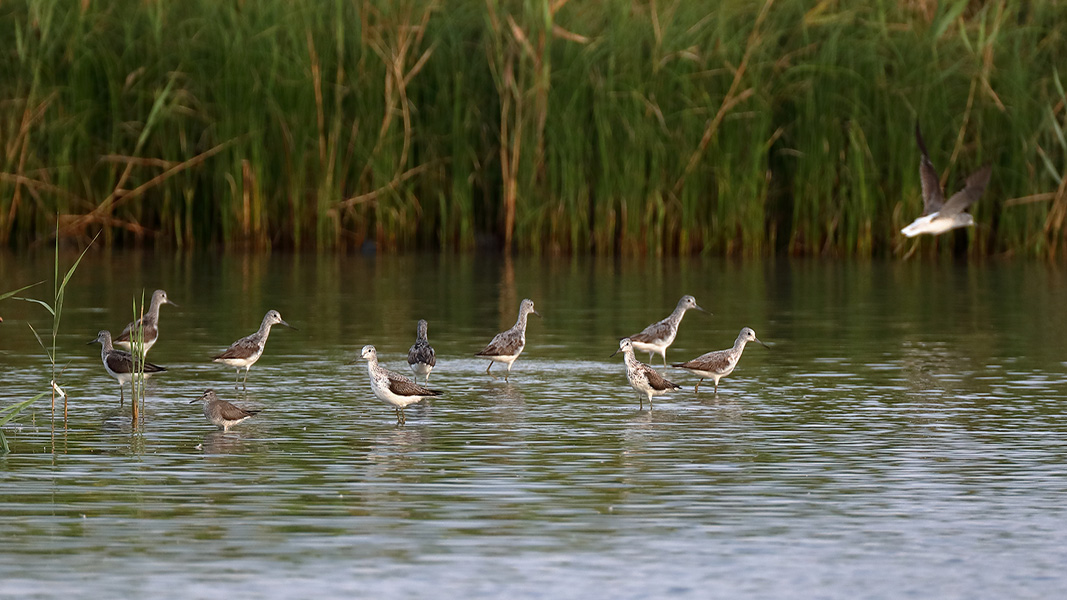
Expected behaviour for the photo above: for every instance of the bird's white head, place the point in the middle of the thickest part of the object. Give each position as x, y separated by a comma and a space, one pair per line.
625, 345
275, 318
688, 302
527, 307
748, 335
369, 353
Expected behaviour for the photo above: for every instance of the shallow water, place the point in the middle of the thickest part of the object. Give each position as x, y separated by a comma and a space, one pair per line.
902, 437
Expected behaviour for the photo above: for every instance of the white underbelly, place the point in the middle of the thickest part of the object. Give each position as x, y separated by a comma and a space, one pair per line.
931, 225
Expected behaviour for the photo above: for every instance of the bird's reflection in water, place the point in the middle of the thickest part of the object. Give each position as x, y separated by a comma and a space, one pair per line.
930, 367
116, 420
396, 449
506, 401
224, 442
727, 406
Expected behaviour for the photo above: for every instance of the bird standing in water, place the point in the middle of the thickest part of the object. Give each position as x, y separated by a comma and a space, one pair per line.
247, 350
146, 329
506, 346
658, 336
121, 364
220, 412
421, 357
643, 378
720, 363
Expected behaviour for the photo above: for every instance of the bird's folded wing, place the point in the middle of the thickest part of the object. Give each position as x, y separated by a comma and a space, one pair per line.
242, 348
402, 386
652, 333
657, 381
504, 344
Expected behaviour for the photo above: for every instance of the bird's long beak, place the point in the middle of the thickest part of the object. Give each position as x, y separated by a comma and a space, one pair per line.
761, 343
92, 341
197, 400
536, 313
172, 303
288, 325
701, 309
615, 352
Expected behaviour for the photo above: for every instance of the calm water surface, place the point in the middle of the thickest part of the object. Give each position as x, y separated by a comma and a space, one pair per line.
903, 437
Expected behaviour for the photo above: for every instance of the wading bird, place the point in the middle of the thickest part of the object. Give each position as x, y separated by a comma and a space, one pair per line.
646, 380
720, 363
393, 388
506, 346
247, 350
658, 336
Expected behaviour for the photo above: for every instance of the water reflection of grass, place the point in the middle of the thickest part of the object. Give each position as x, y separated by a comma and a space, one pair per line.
736, 128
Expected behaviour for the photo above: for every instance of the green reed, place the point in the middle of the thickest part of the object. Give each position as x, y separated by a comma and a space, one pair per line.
59, 288
612, 127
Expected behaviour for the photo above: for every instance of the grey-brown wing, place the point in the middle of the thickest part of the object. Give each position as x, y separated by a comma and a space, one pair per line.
242, 348
119, 361
503, 344
657, 381
150, 331
234, 413
422, 353
652, 333
971, 192
402, 386
933, 197
712, 361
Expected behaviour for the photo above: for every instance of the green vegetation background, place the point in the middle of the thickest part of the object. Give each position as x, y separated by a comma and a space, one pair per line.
615, 126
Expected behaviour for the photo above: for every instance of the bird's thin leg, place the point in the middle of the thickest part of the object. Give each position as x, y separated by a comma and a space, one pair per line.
122, 395
650, 403
664, 358
489, 367
697, 389
716, 386
237, 378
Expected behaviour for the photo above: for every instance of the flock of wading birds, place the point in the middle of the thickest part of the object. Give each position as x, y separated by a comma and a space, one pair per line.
399, 391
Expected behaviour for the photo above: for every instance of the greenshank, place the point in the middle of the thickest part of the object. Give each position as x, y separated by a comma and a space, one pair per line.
646, 380
938, 215
506, 346
220, 412
393, 388
658, 336
247, 350
121, 364
720, 363
421, 357
148, 325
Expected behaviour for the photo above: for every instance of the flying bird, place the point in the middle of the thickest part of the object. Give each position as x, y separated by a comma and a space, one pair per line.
940, 215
